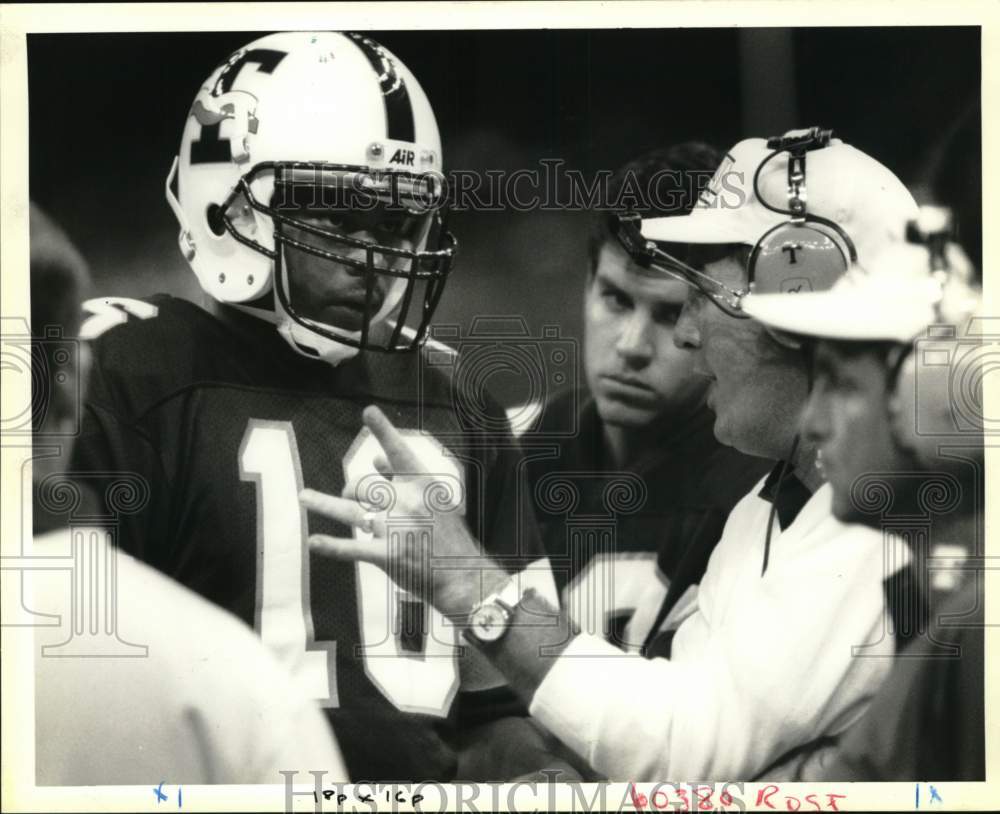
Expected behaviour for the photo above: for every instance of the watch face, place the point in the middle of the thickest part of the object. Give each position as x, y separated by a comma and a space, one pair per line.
488, 623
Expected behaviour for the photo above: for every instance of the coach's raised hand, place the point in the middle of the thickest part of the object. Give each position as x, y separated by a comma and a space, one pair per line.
436, 566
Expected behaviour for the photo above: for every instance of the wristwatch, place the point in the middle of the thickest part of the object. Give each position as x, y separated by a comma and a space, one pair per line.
490, 619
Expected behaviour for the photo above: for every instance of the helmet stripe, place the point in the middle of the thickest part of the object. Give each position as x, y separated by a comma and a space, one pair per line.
398, 111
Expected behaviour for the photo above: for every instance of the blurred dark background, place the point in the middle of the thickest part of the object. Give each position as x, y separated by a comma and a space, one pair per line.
107, 110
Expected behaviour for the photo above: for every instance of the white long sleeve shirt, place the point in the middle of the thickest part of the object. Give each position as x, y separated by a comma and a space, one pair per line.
764, 664
200, 701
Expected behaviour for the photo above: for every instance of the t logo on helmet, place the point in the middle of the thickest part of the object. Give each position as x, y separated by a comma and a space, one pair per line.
209, 148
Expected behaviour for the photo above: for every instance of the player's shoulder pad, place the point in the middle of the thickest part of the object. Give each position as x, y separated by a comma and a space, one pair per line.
437, 363
161, 323
439, 347
434, 351
148, 346
446, 378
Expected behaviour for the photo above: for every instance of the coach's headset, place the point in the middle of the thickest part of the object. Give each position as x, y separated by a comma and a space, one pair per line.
826, 253
825, 249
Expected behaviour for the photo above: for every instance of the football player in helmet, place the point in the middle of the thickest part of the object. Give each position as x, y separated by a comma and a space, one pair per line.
327, 156
308, 198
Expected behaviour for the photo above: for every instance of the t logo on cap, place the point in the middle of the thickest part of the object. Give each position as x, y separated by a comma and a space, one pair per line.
791, 248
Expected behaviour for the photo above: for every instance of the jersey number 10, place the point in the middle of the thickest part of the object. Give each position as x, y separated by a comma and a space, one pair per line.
425, 682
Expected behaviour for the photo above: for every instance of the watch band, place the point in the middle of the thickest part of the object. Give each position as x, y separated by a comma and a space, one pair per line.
488, 620
509, 593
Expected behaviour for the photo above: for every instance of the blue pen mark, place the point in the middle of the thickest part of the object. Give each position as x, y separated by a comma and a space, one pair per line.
935, 797
158, 791
180, 797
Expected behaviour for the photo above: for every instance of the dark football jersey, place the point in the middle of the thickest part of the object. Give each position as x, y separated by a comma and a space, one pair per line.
629, 544
927, 722
226, 424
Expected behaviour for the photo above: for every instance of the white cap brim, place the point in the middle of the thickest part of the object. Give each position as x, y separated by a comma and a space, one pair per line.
851, 314
701, 226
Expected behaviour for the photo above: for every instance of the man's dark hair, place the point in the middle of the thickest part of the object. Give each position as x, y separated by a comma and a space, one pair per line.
59, 281
700, 255
881, 349
659, 183
885, 351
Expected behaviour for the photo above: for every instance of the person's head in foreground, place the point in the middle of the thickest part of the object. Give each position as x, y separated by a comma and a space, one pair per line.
60, 280
781, 216
309, 193
635, 373
898, 377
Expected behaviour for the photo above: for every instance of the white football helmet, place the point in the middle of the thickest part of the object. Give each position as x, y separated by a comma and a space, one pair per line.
315, 122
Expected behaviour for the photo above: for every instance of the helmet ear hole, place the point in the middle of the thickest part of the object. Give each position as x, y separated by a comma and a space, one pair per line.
214, 216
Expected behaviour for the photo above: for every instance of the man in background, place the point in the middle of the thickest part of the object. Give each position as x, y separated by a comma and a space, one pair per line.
643, 413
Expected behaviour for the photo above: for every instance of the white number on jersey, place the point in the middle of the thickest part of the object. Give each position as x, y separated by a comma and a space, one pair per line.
269, 456
616, 585
424, 682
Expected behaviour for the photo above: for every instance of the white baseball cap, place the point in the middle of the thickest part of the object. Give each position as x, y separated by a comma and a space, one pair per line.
843, 184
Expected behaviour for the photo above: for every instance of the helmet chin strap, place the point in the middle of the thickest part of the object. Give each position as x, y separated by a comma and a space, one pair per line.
301, 339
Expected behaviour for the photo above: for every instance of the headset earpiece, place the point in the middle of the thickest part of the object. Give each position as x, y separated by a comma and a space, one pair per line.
799, 256
807, 252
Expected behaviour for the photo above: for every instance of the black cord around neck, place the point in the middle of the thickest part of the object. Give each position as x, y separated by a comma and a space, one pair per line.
774, 501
